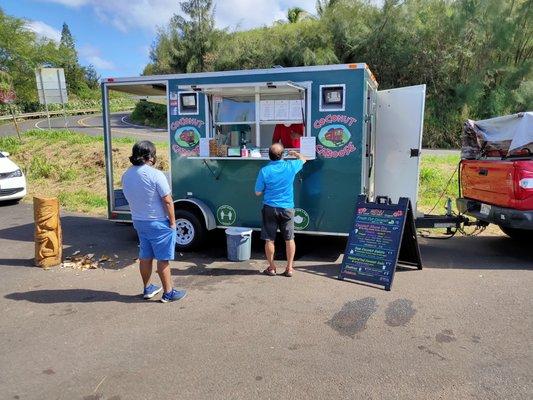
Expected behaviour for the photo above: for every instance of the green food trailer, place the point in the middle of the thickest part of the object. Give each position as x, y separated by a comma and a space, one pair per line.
358, 140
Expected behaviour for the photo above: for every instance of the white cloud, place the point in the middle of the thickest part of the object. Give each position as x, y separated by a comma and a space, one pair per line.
129, 15
93, 56
69, 3
43, 30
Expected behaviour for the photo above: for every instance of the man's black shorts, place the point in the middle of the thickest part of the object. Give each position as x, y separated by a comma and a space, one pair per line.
277, 218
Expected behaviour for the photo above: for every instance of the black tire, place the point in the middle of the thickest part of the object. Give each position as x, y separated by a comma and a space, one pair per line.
521, 235
191, 231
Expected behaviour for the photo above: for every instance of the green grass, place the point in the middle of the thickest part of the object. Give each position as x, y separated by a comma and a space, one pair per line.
82, 200
71, 166
11, 144
435, 178
69, 174
70, 137
40, 168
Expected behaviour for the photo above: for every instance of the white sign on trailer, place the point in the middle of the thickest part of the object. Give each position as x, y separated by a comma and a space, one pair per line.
51, 85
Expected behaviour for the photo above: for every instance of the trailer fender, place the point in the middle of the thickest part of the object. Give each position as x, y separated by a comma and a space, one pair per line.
208, 215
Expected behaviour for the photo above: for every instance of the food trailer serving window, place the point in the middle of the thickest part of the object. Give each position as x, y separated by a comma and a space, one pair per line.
252, 115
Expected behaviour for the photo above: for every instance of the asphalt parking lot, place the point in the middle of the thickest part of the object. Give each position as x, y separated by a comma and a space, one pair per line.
459, 329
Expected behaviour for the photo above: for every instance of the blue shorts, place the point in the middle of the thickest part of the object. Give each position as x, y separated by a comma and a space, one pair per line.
156, 240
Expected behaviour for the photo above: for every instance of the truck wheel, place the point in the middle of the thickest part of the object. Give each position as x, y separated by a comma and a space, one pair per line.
190, 231
518, 234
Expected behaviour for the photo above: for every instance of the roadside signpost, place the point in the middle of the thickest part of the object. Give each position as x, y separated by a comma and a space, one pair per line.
383, 235
52, 89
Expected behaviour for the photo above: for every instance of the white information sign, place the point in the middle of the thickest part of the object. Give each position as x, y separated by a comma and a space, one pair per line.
51, 85
204, 147
308, 146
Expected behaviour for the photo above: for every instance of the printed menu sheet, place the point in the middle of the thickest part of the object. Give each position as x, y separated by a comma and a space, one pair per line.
267, 110
296, 110
281, 110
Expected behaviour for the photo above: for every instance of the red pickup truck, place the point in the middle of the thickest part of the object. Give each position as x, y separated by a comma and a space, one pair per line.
497, 185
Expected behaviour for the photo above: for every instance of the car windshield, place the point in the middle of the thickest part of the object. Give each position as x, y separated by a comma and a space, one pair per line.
1, 155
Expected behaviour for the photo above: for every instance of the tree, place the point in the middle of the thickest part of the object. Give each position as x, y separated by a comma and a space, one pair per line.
67, 43
20, 53
186, 43
323, 5
92, 77
197, 32
74, 73
296, 14
6, 88
475, 56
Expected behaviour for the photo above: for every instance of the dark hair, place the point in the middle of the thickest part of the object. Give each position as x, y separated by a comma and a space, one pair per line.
275, 152
142, 152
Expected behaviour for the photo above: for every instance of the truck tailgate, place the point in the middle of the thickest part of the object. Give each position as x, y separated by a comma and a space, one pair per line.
496, 182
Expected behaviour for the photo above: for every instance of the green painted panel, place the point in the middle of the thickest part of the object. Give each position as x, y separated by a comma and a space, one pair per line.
326, 189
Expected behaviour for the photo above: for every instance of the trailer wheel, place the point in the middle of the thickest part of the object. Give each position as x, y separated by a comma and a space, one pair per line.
518, 234
190, 231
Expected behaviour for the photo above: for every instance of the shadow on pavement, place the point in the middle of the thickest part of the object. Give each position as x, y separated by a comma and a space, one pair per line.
73, 296
203, 270
99, 236
86, 234
476, 252
312, 248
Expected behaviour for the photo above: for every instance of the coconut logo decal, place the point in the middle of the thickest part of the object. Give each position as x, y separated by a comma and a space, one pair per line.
333, 136
187, 137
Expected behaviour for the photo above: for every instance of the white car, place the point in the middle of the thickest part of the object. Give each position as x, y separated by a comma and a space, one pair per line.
12, 179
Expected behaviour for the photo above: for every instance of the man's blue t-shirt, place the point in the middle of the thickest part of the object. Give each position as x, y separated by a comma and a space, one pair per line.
143, 187
276, 181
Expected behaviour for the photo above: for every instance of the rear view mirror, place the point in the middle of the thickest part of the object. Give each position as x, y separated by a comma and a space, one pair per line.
5, 153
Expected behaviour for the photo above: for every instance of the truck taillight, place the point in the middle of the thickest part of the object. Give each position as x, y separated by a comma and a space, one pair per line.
523, 181
526, 183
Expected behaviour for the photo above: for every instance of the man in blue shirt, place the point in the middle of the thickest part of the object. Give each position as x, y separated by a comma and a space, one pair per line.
275, 183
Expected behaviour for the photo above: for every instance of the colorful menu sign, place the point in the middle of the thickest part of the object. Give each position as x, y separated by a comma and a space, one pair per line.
382, 236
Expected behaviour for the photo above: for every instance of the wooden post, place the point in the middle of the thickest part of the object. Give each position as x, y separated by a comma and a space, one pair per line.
48, 235
15, 120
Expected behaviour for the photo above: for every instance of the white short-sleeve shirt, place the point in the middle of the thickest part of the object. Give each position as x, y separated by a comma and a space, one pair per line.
143, 187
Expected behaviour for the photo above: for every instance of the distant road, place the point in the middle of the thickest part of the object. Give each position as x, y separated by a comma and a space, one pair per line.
121, 127
89, 125
441, 152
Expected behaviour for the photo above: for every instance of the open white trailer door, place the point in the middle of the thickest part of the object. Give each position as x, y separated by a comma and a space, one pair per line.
399, 123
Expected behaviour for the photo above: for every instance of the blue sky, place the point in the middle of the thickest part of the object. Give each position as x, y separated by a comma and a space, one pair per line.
115, 35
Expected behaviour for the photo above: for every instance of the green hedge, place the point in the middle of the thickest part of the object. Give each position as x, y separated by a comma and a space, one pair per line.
150, 114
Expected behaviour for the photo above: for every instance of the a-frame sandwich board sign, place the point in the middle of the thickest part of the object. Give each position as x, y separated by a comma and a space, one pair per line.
383, 235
